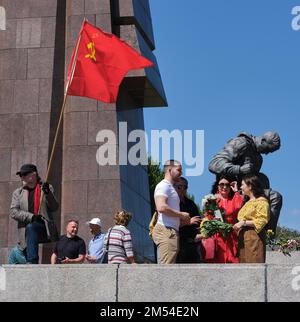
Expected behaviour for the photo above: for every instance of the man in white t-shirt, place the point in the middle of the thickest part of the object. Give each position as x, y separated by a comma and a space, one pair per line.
165, 232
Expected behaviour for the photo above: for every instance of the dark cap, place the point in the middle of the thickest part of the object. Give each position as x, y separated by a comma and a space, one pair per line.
26, 168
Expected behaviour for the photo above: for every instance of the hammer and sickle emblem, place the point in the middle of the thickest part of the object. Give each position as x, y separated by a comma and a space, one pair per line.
92, 53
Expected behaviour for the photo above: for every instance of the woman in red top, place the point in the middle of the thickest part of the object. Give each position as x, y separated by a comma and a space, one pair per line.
230, 202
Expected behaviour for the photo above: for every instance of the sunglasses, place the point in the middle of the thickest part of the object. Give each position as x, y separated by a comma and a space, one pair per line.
181, 187
224, 185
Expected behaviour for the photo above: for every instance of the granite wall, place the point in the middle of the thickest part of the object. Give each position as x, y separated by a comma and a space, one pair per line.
152, 283
31, 91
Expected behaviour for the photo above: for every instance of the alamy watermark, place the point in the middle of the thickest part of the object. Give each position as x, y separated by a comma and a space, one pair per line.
133, 148
2, 19
296, 19
2, 279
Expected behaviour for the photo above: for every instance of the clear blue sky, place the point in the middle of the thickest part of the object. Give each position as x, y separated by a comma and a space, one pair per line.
231, 66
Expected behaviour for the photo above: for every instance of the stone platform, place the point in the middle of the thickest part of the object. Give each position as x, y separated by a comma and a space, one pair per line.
154, 283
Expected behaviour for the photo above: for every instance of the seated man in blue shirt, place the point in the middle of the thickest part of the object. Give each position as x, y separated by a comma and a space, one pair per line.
96, 245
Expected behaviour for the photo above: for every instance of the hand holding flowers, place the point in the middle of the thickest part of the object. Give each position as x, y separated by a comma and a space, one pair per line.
213, 222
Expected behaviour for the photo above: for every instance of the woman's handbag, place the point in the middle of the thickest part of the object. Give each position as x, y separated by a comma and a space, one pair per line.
152, 224
105, 257
209, 249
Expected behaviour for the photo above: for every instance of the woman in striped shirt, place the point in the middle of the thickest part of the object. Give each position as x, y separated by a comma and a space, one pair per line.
118, 240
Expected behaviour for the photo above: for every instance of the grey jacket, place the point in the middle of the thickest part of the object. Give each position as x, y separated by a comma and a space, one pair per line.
19, 212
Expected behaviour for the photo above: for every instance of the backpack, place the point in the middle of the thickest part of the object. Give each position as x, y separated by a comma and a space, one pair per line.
152, 223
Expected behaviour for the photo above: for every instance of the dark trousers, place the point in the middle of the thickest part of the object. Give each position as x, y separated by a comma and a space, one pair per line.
189, 252
35, 234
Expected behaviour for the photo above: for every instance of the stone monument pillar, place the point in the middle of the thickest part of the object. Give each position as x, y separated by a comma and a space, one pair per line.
35, 51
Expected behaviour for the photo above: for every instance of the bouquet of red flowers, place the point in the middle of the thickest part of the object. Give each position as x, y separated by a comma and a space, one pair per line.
213, 222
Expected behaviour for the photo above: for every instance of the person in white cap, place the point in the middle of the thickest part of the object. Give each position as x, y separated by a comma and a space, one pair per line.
96, 245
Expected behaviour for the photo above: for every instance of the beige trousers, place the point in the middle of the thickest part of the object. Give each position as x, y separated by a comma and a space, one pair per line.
167, 242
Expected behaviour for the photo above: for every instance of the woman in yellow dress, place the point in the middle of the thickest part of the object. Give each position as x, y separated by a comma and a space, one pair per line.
252, 217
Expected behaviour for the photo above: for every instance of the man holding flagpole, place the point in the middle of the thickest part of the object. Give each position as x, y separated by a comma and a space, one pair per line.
32, 206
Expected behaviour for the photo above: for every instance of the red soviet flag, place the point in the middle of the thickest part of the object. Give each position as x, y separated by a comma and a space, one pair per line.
101, 63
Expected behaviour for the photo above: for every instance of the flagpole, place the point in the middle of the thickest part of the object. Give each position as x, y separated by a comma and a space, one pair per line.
69, 81
63, 108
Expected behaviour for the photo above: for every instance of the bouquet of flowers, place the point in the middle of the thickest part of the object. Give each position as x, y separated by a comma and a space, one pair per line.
210, 207
209, 227
282, 244
213, 222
